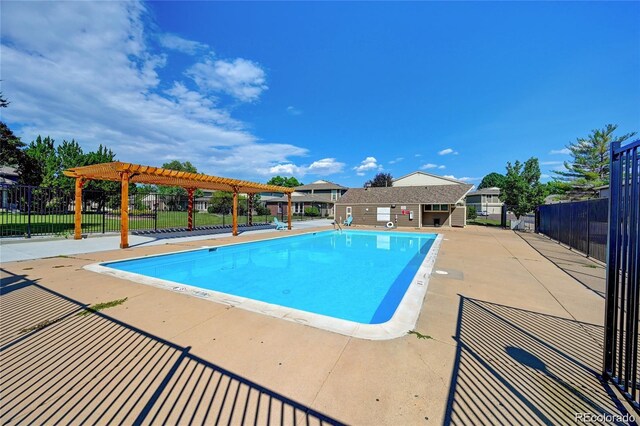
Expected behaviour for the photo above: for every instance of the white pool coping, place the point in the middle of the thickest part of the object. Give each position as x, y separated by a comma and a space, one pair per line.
404, 319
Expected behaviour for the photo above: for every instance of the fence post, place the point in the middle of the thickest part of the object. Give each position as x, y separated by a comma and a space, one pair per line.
155, 212
588, 228
104, 211
29, 212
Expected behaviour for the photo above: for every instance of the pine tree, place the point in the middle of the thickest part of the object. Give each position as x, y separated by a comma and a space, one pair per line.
589, 167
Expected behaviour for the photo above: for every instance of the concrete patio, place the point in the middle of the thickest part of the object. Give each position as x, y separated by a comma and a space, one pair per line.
513, 339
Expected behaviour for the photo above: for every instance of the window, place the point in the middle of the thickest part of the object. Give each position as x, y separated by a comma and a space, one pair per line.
383, 214
348, 211
334, 194
436, 207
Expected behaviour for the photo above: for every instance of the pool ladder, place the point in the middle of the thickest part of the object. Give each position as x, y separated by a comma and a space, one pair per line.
338, 225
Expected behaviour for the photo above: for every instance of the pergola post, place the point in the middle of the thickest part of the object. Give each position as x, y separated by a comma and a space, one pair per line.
289, 210
77, 220
190, 209
235, 212
124, 210
250, 209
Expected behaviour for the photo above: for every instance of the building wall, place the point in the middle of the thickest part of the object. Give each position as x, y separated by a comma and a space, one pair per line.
422, 180
428, 218
491, 208
459, 216
362, 216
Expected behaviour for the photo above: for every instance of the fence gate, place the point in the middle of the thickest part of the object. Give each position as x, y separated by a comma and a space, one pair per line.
623, 287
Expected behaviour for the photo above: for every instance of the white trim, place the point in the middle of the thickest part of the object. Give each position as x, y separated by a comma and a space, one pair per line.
404, 319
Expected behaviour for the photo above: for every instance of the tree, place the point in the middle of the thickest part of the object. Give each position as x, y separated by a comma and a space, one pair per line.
12, 148
380, 180
222, 203
471, 212
589, 167
181, 167
3, 101
492, 180
45, 162
522, 191
289, 182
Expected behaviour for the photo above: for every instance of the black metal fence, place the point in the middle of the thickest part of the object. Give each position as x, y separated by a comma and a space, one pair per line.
581, 225
27, 211
623, 275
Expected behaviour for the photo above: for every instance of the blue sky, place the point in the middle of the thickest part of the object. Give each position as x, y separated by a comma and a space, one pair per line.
329, 90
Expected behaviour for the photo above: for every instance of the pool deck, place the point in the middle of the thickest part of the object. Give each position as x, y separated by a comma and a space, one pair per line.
512, 338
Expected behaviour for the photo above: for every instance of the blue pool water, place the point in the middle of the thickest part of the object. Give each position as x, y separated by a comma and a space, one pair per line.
358, 276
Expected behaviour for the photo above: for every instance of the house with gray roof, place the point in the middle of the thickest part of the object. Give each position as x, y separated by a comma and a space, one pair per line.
439, 201
486, 201
8, 177
320, 194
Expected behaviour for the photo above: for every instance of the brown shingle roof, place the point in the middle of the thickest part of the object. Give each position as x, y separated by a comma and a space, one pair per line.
434, 194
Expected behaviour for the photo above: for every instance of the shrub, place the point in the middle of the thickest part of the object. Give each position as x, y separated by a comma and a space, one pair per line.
262, 210
471, 212
312, 211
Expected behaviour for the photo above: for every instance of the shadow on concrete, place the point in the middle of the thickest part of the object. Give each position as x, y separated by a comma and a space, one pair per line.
515, 366
587, 272
168, 234
95, 369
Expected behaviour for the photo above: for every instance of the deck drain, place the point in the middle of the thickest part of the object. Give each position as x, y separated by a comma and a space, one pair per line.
441, 272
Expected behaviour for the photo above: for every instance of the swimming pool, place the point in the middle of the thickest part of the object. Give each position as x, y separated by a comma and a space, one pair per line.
349, 281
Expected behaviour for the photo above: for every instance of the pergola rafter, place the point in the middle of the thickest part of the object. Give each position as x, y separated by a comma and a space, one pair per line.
127, 173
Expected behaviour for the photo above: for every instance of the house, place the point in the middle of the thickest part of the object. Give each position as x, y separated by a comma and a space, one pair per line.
321, 194
420, 200
486, 201
424, 179
8, 178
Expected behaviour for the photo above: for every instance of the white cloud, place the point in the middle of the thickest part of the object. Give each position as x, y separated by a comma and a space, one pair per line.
418, 155
286, 169
428, 166
463, 179
324, 167
241, 78
175, 42
293, 110
368, 164
550, 163
560, 151
85, 70
396, 160
544, 176
447, 151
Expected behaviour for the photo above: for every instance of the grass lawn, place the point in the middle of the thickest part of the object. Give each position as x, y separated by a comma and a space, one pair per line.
486, 222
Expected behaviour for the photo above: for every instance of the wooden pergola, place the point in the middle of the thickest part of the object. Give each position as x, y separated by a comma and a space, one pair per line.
127, 173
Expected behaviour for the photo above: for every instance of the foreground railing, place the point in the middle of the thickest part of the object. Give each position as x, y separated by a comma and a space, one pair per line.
623, 276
